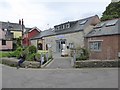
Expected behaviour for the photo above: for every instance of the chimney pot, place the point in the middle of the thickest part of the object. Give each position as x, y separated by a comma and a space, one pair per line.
22, 22
19, 22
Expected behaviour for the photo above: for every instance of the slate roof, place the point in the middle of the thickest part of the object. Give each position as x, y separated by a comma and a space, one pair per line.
30, 29
76, 27
110, 27
10, 26
45, 33
27, 30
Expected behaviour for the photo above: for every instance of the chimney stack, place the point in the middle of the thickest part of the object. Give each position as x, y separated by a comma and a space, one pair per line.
19, 22
22, 22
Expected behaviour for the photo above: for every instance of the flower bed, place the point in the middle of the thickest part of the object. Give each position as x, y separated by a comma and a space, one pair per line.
97, 63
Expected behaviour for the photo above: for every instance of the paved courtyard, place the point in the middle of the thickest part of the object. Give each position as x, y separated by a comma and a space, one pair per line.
59, 78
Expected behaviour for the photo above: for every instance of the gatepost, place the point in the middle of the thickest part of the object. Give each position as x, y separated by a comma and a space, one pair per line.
74, 58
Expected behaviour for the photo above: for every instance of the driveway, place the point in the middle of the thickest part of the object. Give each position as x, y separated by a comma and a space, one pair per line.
59, 78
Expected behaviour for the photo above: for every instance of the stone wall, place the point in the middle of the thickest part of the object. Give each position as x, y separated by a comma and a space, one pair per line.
77, 38
13, 62
97, 63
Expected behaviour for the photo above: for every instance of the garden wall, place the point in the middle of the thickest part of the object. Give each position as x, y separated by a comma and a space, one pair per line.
97, 63
13, 62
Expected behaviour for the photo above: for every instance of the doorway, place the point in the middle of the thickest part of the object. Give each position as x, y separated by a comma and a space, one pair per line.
59, 44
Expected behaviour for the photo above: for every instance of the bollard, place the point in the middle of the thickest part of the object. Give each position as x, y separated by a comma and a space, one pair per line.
42, 58
74, 58
47, 56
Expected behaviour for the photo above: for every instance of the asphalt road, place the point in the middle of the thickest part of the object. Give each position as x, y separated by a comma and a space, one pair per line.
59, 78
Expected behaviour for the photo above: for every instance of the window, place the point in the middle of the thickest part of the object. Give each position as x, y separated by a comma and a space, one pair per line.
63, 27
62, 42
83, 22
40, 46
95, 46
46, 46
111, 23
71, 45
100, 25
68, 25
3, 42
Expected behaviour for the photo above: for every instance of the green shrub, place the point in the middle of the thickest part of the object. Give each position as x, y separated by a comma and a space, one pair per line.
30, 57
82, 54
17, 52
82, 57
4, 54
37, 55
32, 49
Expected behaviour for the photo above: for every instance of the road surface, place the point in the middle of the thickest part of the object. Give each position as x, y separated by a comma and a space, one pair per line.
59, 78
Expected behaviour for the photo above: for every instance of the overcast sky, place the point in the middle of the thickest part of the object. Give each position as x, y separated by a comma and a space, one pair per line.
47, 13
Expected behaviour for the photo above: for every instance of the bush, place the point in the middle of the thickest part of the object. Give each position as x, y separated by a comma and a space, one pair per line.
16, 53
32, 49
37, 55
82, 54
30, 57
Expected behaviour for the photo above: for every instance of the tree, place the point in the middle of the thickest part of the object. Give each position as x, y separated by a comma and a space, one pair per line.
112, 11
19, 40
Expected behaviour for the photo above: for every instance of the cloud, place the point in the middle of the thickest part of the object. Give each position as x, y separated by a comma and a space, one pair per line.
40, 13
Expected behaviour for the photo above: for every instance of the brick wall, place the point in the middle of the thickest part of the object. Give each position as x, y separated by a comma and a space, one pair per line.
109, 49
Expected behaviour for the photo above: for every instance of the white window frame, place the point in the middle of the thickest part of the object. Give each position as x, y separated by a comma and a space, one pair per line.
71, 45
95, 45
68, 25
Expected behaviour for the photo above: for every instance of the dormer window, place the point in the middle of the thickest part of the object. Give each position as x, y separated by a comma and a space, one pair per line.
99, 25
68, 25
57, 28
83, 22
111, 23
63, 27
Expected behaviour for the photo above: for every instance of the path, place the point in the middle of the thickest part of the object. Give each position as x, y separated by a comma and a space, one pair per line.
59, 62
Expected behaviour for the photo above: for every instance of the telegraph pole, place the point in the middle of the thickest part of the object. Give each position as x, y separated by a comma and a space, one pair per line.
22, 30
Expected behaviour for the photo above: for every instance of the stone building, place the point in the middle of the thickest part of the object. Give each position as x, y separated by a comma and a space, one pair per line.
103, 41
70, 33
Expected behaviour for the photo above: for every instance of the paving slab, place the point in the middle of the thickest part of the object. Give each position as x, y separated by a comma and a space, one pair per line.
59, 62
